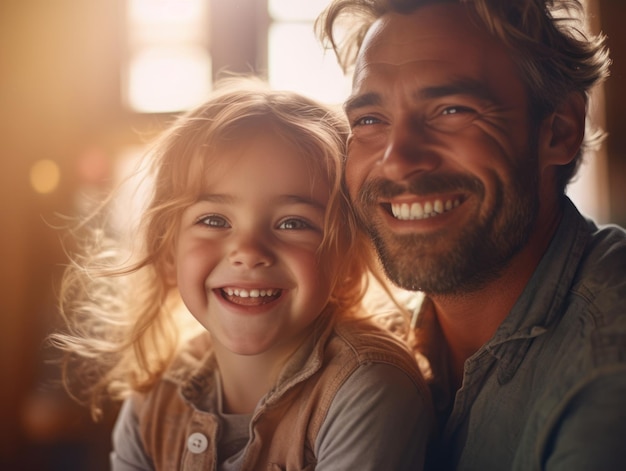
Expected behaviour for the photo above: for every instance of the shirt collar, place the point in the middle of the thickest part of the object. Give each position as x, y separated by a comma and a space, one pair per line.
541, 302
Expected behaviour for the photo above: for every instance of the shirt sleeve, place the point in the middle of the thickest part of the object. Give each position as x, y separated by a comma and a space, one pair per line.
379, 419
128, 453
592, 428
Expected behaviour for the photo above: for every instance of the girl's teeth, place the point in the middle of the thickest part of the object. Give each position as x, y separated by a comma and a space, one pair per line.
253, 293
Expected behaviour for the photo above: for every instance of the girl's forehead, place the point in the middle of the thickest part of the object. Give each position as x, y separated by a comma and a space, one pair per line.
224, 145
264, 151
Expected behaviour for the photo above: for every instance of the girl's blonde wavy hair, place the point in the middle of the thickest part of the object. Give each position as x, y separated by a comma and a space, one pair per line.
547, 39
119, 303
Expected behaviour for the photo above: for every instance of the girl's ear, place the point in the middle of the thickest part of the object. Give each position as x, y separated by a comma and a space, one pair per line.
561, 133
169, 266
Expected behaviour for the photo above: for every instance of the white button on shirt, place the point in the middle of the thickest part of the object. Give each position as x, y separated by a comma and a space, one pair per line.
197, 443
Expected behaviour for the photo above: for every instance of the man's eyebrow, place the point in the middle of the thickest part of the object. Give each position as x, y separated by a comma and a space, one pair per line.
360, 101
461, 86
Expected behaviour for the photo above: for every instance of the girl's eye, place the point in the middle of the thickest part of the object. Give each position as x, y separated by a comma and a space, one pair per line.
214, 221
294, 224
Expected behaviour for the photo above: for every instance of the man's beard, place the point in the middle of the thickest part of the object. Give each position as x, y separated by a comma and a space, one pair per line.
472, 257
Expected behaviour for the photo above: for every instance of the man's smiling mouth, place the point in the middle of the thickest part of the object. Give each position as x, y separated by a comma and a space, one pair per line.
417, 211
250, 297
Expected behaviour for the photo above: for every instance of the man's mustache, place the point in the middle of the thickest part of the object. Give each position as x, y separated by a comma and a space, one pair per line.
423, 186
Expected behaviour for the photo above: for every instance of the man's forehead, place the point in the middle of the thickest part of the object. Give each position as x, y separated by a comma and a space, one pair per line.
437, 50
431, 22
430, 34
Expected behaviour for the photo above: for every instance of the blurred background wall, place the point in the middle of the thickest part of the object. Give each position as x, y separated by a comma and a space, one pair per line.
66, 122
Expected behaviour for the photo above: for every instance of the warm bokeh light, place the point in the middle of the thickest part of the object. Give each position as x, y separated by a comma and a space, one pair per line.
169, 65
150, 13
296, 59
294, 10
45, 176
298, 62
169, 79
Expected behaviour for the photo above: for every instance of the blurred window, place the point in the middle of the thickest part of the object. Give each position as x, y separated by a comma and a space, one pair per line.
296, 59
169, 66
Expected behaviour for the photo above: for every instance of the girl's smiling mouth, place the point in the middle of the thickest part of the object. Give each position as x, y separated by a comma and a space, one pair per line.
250, 297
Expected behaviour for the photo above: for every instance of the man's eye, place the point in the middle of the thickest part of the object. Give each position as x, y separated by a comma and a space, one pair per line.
215, 221
294, 224
455, 110
452, 118
366, 121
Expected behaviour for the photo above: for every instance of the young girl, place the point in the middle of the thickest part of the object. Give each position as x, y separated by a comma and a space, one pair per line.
249, 226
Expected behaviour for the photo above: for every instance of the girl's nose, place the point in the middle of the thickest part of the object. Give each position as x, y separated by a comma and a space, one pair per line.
251, 252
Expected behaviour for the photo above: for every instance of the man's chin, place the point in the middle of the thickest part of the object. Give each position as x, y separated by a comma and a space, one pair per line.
408, 264
421, 264
437, 280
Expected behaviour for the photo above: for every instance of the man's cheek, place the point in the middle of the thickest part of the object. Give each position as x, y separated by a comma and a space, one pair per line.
355, 175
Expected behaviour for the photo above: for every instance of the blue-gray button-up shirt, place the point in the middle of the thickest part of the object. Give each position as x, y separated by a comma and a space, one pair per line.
548, 391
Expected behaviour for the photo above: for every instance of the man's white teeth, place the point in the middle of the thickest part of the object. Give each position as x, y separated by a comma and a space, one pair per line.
251, 293
417, 211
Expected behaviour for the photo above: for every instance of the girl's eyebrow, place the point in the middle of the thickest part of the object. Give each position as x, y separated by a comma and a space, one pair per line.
216, 198
299, 199
281, 199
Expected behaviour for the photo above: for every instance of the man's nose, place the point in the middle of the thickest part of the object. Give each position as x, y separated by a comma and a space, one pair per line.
250, 250
408, 151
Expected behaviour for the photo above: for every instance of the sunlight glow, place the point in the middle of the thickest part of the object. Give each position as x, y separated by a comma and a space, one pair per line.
298, 62
165, 12
45, 176
296, 10
169, 79
169, 65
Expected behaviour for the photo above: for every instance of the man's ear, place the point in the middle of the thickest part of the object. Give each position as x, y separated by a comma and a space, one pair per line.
561, 133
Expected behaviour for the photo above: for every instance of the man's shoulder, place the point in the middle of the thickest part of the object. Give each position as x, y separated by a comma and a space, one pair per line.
606, 250
594, 322
601, 277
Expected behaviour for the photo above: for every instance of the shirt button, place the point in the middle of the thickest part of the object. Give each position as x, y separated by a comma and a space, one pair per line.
197, 443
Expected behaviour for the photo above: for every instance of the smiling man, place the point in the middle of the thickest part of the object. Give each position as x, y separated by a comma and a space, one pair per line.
467, 122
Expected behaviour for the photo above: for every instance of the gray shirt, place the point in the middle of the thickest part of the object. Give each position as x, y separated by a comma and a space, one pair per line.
548, 391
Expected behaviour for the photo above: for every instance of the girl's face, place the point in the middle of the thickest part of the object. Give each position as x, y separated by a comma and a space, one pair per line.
246, 258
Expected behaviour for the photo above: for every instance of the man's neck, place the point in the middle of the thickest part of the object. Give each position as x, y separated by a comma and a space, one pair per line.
470, 320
